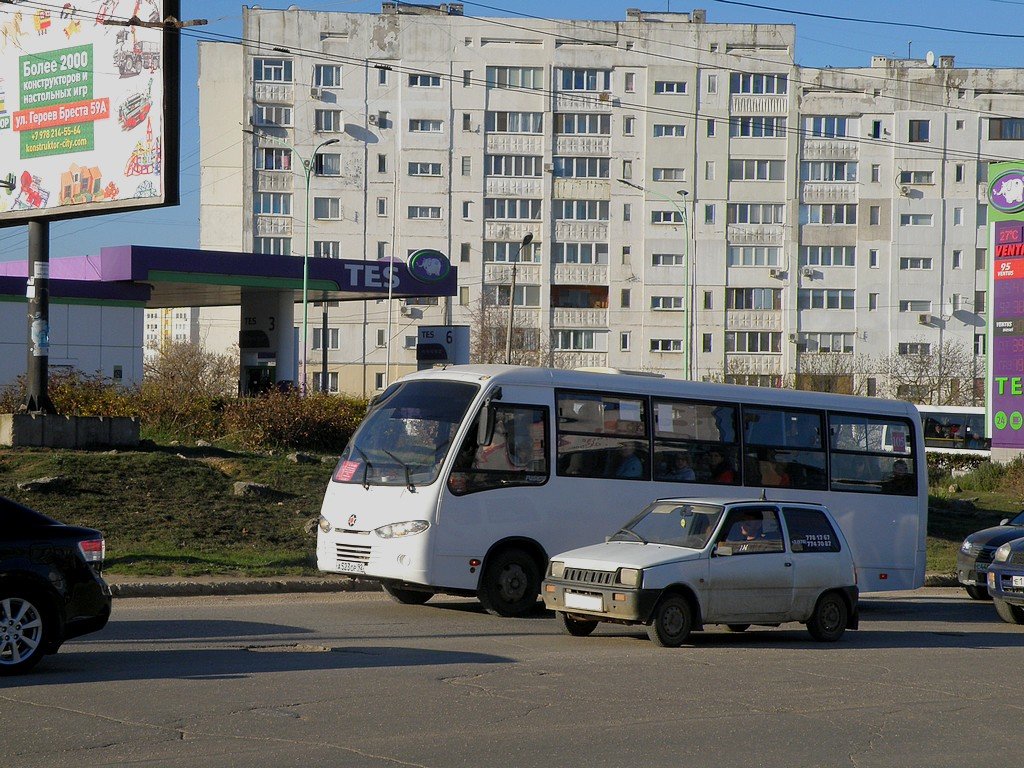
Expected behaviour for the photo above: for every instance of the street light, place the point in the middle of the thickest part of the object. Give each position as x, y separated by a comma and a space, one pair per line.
689, 285
307, 166
512, 298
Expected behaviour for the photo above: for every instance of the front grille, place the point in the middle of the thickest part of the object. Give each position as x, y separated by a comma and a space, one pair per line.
353, 553
1016, 558
586, 576
985, 554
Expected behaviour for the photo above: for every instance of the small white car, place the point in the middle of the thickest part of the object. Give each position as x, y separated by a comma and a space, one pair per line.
684, 563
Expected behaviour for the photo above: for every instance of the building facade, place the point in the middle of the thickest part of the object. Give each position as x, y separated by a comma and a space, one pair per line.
699, 206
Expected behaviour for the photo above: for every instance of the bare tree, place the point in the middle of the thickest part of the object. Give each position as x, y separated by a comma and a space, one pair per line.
180, 367
488, 332
940, 376
833, 372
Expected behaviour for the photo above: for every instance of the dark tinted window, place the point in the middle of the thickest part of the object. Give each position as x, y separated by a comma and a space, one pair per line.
783, 448
14, 518
603, 436
810, 531
695, 442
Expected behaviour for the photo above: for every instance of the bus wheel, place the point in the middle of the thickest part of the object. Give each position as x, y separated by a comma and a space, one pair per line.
407, 596
576, 627
828, 622
510, 584
978, 593
672, 622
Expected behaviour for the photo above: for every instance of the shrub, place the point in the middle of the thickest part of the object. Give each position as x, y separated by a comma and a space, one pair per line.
317, 422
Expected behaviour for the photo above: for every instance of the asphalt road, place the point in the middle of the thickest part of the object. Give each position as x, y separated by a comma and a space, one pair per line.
930, 679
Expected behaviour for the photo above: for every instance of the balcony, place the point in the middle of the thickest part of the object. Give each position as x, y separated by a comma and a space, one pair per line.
754, 363
274, 181
828, 192
581, 189
570, 360
526, 274
587, 101
514, 144
582, 145
511, 231
580, 274
575, 317
506, 186
753, 320
581, 231
273, 225
755, 234
828, 149
759, 104
276, 93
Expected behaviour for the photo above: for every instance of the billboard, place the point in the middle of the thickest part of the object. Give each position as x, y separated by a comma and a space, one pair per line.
1006, 330
88, 108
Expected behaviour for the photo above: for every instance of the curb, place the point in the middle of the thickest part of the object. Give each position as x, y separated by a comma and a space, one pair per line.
212, 586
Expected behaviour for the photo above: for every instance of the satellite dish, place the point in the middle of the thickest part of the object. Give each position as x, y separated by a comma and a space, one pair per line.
929, 58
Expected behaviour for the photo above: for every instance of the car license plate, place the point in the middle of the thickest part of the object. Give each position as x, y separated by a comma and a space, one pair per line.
1018, 581
350, 567
584, 602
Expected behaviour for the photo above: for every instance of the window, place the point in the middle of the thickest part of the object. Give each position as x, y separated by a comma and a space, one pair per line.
628, 125
872, 302
864, 457
828, 213
333, 338
829, 170
627, 212
577, 341
876, 129
979, 343
467, 78
517, 454
579, 167
825, 298
624, 338
709, 213
426, 126
709, 170
979, 259
960, 172
828, 127
873, 258
273, 159
918, 131
757, 127
629, 82
327, 164
328, 120
584, 79
424, 169
272, 70
753, 298
783, 448
1006, 129
958, 259
810, 531
265, 114
512, 209
701, 437
521, 166
958, 217
602, 435
668, 174
467, 121
327, 75
754, 255
467, 165
669, 86
424, 81
666, 345
463, 295
706, 342
525, 296
327, 249
915, 305
711, 127
502, 252
515, 77
326, 208
382, 248
668, 260
382, 74
917, 177
464, 252
915, 262
876, 173
571, 123
669, 129
915, 219
514, 122
753, 342
580, 253
580, 210
828, 342
757, 170
712, 83
740, 82
626, 251
332, 381
275, 246
874, 215
667, 303
627, 169
667, 217
914, 348
382, 163
828, 255
424, 212
467, 209
272, 203
979, 301
382, 339
756, 213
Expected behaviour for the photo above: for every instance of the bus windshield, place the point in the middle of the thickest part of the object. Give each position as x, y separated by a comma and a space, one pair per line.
406, 434
680, 525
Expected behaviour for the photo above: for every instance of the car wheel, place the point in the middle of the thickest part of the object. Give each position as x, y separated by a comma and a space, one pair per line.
576, 627
738, 627
828, 622
672, 622
407, 596
24, 631
510, 584
978, 593
1011, 614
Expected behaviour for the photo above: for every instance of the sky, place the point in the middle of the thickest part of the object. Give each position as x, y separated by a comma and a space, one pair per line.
827, 34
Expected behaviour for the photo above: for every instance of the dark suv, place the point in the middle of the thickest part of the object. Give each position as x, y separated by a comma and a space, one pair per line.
977, 550
50, 585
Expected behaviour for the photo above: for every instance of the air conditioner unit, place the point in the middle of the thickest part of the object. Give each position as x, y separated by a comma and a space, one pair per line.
778, 273
316, 92
549, 167
371, 119
794, 337
406, 311
808, 272
904, 190
925, 319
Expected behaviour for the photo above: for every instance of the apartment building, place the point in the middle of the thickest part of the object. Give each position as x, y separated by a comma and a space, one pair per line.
698, 205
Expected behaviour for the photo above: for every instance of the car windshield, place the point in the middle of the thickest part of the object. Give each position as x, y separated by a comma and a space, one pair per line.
1018, 520
675, 523
406, 434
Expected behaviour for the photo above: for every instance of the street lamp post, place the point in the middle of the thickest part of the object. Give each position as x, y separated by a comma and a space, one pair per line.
689, 282
512, 297
307, 166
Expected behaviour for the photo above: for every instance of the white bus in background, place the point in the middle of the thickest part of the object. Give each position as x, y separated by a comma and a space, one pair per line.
959, 429
465, 480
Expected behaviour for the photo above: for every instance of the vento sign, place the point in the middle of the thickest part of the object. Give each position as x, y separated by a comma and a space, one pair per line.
88, 107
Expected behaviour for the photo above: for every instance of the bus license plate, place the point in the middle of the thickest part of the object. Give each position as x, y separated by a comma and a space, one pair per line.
584, 602
348, 567
1018, 581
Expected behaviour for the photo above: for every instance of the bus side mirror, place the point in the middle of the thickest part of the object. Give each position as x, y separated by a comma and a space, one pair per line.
485, 426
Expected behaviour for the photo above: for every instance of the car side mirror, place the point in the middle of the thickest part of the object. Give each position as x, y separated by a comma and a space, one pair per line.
485, 427
1004, 521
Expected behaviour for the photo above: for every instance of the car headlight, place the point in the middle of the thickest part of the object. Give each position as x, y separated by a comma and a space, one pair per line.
966, 547
630, 577
1002, 554
557, 569
325, 524
407, 528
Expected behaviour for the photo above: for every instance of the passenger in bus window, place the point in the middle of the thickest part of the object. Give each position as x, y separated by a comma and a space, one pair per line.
721, 467
901, 481
774, 474
679, 468
630, 467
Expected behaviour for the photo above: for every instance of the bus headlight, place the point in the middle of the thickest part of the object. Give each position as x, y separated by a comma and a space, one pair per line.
325, 524
1002, 554
630, 577
407, 528
557, 569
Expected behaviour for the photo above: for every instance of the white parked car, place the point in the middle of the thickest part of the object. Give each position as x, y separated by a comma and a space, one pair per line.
684, 563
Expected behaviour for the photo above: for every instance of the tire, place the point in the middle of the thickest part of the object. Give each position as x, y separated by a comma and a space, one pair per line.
407, 596
978, 593
738, 627
510, 584
1011, 614
672, 622
25, 629
576, 627
828, 622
